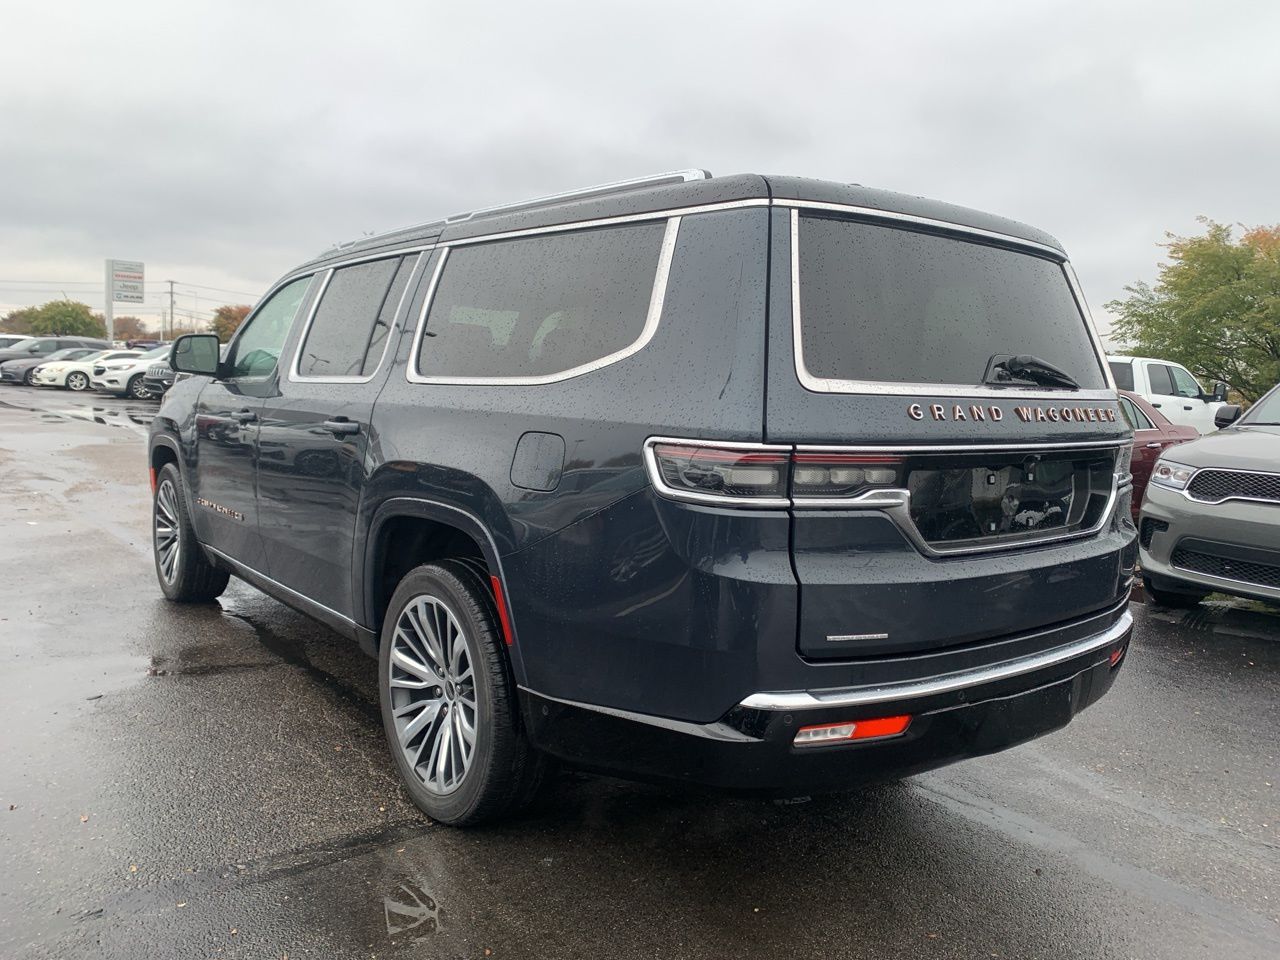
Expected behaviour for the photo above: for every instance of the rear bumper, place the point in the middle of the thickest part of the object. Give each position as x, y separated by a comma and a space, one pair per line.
750, 750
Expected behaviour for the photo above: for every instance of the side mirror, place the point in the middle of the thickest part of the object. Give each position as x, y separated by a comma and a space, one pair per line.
195, 353
1226, 416
1220, 392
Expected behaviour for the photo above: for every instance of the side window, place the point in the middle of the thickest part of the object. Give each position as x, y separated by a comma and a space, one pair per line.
1184, 384
1122, 373
349, 328
540, 306
257, 347
1137, 419
1161, 382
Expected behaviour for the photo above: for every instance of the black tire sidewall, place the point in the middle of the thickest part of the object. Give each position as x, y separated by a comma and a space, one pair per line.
136, 389
490, 769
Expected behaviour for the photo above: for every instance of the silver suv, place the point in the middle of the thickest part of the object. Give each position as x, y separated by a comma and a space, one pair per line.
1211, 518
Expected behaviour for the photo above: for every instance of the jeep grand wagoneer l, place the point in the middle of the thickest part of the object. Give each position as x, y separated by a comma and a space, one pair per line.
756, 483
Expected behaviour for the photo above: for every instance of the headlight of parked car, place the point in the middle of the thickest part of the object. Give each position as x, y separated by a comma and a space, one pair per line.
1175, 476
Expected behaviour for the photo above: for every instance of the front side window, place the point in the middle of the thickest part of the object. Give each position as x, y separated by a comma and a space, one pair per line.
541, 306
886, 304
349, 329
257, 347
1184, 384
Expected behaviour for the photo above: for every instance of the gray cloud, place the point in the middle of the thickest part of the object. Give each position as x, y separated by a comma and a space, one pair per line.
221, 143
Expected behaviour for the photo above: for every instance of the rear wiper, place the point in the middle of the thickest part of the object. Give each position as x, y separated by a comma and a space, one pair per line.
1003, 369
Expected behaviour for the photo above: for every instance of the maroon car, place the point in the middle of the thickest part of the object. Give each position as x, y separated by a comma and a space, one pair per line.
1152, 433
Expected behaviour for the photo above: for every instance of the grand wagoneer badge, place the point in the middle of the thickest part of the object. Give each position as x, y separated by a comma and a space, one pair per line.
976, 411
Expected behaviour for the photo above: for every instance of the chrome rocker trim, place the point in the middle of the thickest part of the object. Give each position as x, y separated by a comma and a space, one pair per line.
946, 683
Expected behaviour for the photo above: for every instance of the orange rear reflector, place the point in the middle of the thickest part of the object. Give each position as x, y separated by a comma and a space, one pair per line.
503, 618
875, 729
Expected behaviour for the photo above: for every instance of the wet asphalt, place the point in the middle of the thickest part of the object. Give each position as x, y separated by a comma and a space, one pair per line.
213, 782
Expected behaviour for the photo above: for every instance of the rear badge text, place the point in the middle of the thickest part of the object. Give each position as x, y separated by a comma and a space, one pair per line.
980, 412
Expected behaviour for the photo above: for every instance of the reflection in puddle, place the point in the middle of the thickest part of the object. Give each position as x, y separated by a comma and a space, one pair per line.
409, 907
130, 415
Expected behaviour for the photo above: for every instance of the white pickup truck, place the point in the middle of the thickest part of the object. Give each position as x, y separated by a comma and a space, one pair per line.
1171, 389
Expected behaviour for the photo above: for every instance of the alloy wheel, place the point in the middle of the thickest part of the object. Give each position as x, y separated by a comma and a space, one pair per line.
138, 389
167, 535
433, 693
77, 382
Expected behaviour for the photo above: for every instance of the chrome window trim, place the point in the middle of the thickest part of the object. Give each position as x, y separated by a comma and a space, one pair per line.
899, 388
1186, 491
609, 221
295, 374
657, 298
948, 682
712, 499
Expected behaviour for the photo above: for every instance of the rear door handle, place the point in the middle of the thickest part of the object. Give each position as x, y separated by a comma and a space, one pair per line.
245, 416
1154, 446
1186, 408
342, 427
1155, 404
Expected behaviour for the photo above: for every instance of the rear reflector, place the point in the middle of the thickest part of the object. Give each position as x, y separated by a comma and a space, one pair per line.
501, 603
875, 729
1117, 655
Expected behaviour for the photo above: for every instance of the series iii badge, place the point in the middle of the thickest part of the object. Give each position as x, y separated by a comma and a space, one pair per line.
976, 411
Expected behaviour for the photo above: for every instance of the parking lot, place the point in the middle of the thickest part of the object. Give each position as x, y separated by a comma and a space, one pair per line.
213, 782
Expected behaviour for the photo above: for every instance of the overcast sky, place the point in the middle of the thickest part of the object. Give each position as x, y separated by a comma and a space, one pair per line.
223, 142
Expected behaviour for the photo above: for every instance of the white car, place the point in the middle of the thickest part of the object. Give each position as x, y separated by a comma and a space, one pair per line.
126, 377
76, 374
1171, 389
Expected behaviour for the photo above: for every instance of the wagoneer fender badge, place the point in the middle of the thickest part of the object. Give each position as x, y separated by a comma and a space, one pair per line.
992, 412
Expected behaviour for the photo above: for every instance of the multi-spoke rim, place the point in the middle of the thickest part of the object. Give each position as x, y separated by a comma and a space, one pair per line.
168, 542
77, 381
433, 693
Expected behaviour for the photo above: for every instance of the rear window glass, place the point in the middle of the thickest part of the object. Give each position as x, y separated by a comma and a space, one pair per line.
883, 304
540, 306
1123, 374
349, 329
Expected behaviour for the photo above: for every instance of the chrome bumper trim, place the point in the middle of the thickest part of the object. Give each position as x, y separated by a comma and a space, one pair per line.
946, 683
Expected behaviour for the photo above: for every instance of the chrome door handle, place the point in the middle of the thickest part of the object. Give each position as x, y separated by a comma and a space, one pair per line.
342, 427
246, 416
1154, 446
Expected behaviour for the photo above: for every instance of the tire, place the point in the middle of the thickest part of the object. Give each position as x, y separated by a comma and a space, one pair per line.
29, 378
186, 575
1167, 598
503, 771
137, 388
77, 381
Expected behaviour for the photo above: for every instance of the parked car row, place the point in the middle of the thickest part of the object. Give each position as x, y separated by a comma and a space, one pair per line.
79, 363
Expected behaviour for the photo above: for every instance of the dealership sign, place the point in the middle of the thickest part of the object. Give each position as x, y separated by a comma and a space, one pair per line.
124, 281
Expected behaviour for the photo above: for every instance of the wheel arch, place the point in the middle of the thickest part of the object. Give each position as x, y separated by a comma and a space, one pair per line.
425, 530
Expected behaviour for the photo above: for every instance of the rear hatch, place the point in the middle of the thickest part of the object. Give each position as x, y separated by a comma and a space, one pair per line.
950, 484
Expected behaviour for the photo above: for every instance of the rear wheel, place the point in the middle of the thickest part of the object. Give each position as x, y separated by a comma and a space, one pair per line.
1167, 598
449, 700
77, 381
184, 572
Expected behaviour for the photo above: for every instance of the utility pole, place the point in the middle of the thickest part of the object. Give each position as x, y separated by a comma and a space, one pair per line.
170, 282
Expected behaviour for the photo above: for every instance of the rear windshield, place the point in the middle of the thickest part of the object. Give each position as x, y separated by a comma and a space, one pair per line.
884, 304
1122, 371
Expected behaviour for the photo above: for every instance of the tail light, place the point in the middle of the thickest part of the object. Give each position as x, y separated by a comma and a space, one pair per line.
878, 729
760, 475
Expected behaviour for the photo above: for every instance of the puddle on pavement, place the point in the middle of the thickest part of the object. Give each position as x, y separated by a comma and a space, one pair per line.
132, 417
409, 909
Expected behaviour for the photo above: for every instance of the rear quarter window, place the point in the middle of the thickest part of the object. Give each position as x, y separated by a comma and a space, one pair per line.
543, 306
884, 304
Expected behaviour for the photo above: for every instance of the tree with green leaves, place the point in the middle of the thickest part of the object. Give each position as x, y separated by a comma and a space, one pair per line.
67, 318
19, 321
1215, 308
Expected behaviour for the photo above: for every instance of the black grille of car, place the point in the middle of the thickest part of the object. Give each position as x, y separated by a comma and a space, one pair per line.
1263, 574
99, 371
1214, 486
1150, 527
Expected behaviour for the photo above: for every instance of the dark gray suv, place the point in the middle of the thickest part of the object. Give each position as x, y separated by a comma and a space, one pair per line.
756, 483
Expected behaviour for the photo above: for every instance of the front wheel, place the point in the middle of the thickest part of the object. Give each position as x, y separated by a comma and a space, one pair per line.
449, 700
29, 378
77, 381
137, 388
184, 572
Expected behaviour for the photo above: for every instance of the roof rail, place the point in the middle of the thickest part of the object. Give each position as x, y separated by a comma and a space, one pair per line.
586, 193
